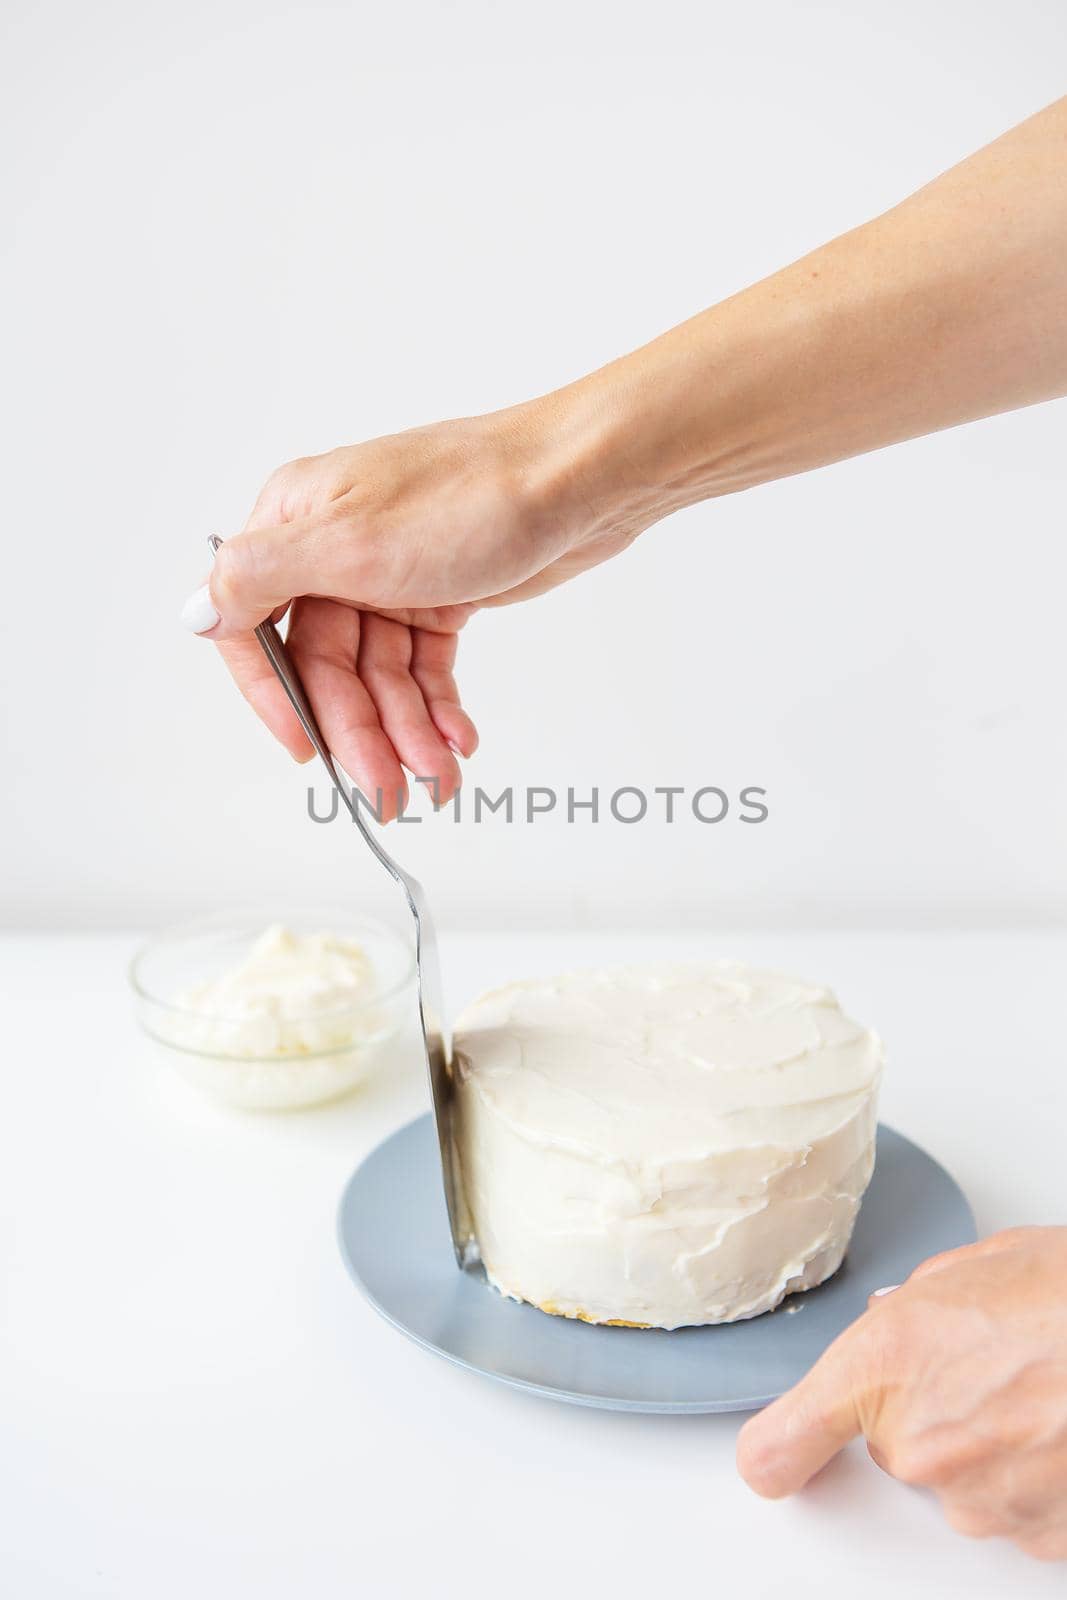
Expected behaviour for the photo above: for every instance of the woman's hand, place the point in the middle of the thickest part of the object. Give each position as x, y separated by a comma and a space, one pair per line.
958, 1381
381, 552
947, 308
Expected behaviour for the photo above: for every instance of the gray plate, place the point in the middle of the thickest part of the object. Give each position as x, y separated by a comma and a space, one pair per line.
395, 1241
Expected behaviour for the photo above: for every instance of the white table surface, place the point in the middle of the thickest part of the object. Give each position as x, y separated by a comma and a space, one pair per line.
194, 1400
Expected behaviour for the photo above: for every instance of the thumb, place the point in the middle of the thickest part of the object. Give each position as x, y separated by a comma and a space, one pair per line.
782, 1447
261, 570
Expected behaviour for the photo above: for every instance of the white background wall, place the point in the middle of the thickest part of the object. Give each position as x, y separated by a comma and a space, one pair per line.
237, 232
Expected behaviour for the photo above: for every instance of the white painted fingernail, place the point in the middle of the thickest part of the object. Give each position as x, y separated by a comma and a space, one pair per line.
198, 612
887, 1290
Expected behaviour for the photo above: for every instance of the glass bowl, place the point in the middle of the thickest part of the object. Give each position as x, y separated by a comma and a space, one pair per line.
268, 1053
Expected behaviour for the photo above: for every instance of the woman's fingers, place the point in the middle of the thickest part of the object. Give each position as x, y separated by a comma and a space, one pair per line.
780, 1448
324, 640
385, 665
433, 656
383, 694
255, 678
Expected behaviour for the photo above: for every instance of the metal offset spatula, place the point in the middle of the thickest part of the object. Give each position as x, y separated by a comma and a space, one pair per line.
428, 969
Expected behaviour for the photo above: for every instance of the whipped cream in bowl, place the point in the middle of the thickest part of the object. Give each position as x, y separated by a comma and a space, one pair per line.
275, 1015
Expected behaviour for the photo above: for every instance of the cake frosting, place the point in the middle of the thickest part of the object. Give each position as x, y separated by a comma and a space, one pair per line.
287, 1025
663, 1145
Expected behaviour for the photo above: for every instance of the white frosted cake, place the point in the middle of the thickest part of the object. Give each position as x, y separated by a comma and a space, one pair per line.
662, 1146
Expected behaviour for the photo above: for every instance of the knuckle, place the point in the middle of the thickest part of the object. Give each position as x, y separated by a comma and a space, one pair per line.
293, 471
384, 677
1045, 1546
933, 1263
973, 1522
920, 1462
945, 1453
1010, 1236
893, 1332
943, 1259
435, 685
273, 493
285, 491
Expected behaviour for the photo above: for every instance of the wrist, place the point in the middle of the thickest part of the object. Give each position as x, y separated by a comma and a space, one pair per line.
583, 474
670, 424
770, 382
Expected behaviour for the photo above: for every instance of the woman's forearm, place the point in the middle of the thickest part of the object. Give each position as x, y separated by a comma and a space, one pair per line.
950, 307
